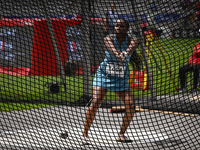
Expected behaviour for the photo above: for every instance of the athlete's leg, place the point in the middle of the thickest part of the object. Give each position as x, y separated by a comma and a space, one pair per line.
128, 99
196, 76
98, 96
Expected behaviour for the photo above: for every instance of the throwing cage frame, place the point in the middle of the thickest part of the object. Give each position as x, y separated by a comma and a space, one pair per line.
34, 119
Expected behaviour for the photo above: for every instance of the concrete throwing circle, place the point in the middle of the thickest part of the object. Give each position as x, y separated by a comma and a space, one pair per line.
42, 138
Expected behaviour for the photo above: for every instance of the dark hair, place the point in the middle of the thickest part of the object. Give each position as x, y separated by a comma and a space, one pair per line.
125, 21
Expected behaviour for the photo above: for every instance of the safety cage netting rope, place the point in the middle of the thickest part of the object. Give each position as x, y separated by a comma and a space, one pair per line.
99, 74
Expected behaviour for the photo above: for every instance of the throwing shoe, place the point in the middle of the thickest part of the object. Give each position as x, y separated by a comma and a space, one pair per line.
123, 139
85, 140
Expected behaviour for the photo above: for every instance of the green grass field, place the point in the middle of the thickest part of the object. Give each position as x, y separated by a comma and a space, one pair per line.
176, 51
19, 106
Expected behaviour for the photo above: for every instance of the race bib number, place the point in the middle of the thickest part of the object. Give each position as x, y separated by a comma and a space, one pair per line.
116, 69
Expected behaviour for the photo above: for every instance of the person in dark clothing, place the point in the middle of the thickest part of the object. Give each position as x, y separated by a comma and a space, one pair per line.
193, 65
185, 4
111, 18
198, 20
198, 5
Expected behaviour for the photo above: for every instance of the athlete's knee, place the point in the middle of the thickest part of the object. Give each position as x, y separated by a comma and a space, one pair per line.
131, 102
130, 106
95, 104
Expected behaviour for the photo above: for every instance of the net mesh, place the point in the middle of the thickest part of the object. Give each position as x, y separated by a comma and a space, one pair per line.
66, 85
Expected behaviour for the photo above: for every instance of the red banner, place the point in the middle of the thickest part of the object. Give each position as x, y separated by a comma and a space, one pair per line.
30, 22
43, 60
17, 71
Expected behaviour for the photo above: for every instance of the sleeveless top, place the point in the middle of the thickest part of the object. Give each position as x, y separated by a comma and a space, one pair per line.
109, 81
111, 58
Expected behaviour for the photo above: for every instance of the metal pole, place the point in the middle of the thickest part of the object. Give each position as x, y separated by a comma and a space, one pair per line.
53, 40
134, 6
85, 40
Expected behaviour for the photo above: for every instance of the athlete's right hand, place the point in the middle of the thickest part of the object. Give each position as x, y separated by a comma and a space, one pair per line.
118, 56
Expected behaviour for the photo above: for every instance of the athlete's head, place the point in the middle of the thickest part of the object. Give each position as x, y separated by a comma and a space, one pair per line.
121, 26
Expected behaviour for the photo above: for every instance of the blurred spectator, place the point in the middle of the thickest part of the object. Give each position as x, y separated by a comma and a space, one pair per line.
111, 18
198, 15
76, 16
1, 16
198, 5
186, 12
193, 65
198, 20
185, 4
151, 21
153, 7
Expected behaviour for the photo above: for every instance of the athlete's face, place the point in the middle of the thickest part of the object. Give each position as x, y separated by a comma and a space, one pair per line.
120, 27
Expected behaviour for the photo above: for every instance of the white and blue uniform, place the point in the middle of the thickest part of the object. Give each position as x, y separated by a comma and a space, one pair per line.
112, 74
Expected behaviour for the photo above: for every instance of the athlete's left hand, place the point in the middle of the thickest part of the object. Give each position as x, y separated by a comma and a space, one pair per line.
119, 56
123, 55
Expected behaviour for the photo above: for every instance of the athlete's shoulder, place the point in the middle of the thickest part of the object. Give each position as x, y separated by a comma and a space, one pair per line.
109, 36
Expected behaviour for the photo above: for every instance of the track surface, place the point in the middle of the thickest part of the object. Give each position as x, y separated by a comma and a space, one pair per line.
40, 129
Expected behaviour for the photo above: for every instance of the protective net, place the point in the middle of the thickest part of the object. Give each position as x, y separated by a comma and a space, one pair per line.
99, 74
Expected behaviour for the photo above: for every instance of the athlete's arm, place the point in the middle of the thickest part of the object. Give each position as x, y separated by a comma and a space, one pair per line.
132, 45
110, 46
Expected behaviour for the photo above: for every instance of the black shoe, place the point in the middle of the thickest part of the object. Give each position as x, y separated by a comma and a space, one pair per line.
182, 90
195, 91
123, 139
